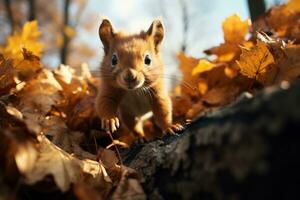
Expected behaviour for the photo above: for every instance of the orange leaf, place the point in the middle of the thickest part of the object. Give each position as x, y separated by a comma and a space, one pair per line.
202, 86
254, 62
293, 5
235, 29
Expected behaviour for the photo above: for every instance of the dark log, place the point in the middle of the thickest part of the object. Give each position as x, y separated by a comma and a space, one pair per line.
248, 150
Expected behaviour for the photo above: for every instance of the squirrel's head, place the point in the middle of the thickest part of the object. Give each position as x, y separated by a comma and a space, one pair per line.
131, 61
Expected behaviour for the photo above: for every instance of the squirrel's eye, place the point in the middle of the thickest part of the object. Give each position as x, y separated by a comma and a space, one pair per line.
114, 60
147, 60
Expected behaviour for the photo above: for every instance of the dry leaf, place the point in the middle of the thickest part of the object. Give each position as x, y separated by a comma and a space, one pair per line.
289, 66
293, 5
254, 62
202, 86
7, 73
235, 29
203, 66
129, 187
51, 160
27, 38
29, 65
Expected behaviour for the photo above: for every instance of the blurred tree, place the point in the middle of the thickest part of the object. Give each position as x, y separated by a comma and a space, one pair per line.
256, 8
9, 14
58, 21
185, 21
66, 36
32, 11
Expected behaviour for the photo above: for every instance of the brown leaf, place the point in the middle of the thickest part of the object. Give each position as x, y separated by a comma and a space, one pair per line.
51, 160
129, 187
254, 62
289, 66
7, 73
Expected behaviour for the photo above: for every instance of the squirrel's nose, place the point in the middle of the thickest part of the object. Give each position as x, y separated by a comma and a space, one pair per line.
130, 76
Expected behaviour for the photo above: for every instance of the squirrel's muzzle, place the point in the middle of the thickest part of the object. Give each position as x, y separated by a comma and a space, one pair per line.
130, 76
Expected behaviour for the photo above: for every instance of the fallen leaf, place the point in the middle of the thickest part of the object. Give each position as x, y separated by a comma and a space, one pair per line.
65, 168
289, 65
7, 73
129, 186
203, 66
293, 5
254, 62
27, 38
29, 65
235, 29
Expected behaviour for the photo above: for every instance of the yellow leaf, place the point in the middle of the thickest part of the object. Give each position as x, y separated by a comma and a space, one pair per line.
254, 62
202, 86
294, 5
203, 66
235, 29
27, 38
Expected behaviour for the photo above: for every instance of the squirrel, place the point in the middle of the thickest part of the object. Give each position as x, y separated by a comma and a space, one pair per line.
130, 81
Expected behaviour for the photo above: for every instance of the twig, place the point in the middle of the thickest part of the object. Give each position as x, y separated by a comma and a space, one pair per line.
116, 148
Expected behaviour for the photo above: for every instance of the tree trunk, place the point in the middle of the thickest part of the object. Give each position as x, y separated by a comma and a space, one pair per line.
32, 10
185, 21
248, 150
256, 8
66, 39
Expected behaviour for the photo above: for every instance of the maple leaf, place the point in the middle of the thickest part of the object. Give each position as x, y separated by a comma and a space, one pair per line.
231, 72
289, 65
235, 29
29, 65
254, 62
221, 95
203, 66
202, 86
27, 38
293, 5
186, 66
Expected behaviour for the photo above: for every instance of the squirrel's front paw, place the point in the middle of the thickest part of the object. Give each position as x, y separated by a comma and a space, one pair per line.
173, 129
110, 125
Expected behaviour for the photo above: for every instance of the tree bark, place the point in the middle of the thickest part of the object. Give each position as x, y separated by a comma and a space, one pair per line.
256, 8
248, 150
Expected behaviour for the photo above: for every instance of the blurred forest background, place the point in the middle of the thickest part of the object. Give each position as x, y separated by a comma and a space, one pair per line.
70, 27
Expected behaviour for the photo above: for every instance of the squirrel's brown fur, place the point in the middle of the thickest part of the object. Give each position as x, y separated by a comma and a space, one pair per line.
131, 87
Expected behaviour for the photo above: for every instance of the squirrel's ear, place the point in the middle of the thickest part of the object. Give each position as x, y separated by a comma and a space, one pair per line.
106, 33
156, 32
